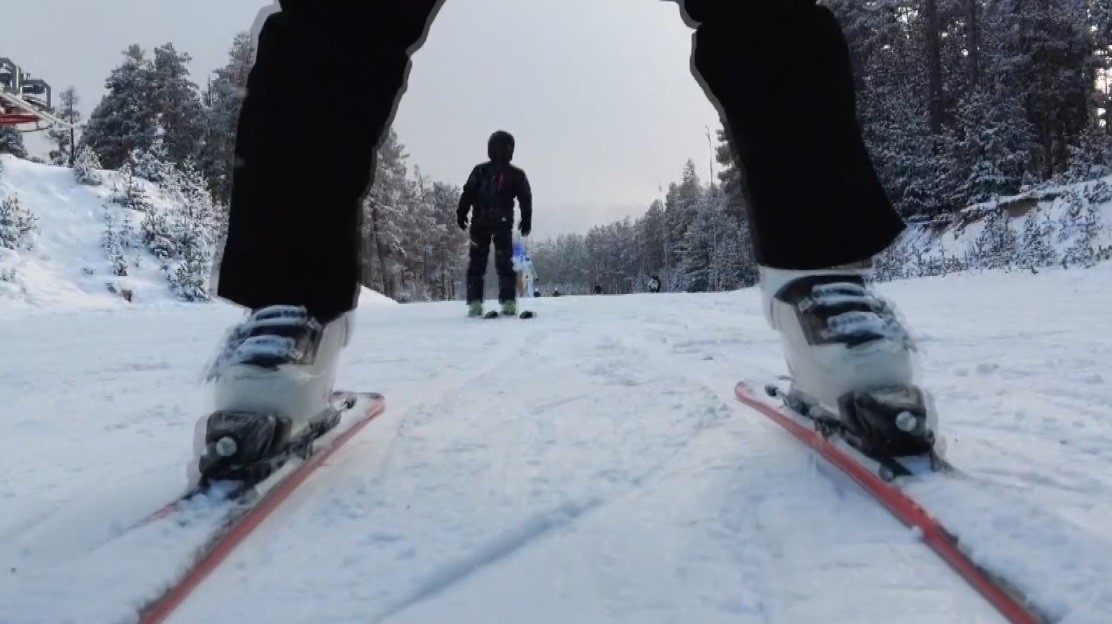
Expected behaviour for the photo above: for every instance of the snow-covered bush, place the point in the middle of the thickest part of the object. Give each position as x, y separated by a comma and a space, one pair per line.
18, 225
86, 167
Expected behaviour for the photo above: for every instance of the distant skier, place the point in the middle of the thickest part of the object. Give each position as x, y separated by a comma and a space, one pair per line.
654, 284
489, 195
779, 72
598, 289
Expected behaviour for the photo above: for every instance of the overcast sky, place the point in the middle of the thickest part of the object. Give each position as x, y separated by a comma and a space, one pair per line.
598, 92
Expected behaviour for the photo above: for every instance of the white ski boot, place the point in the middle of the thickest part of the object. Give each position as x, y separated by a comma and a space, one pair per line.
849, 357
272, 386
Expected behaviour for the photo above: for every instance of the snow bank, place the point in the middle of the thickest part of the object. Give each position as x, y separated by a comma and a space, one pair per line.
373, 297
1066, 226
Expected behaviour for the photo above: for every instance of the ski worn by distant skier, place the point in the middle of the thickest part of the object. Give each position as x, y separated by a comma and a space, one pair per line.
526, 314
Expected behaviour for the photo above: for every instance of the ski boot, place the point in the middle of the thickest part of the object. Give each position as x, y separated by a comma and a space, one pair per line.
475, 309
509, 308
850, 360
272, 386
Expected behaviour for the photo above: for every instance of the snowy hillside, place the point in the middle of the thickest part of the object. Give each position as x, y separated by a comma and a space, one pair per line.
1049, 226
590, 465
67, 264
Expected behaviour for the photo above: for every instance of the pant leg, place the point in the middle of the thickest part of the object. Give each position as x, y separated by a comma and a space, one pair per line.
779, 73
294, 226
477, 261
504, 262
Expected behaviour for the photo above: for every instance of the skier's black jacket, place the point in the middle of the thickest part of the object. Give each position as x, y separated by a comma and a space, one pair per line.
491, 189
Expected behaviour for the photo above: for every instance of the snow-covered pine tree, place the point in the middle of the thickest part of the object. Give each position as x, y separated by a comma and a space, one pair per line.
176, 103
1058, 78
113, 244
11, 142
195, 223
680, 206
997, 245
652, 236
384, 215
18, 225
1081, 221
1036, 246
222, 100
736, 207
128, 192
86, 168
125, 118
152, 164
64, 139
180, 231
994, 144
1091, 157
701, 241
446, 242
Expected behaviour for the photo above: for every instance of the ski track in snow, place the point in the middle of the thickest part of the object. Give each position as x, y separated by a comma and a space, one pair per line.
587, 465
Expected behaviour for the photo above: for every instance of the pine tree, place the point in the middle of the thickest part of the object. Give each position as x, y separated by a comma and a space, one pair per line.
733, 190
1036, 248
113, 244
1091, 157
152, 164
1082, 222
1058, 75
176, 104
64, 139
994, 145
222, 100
128, 192
86, 167
18, 225
384, 217
997, 245
125, 119
11, 142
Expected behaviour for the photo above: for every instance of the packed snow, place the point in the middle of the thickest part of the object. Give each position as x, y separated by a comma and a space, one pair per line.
588, 465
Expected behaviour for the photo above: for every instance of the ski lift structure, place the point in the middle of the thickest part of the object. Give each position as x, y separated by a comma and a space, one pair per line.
25, 101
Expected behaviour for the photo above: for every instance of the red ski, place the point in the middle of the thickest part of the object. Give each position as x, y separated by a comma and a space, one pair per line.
247, 512
1009, 602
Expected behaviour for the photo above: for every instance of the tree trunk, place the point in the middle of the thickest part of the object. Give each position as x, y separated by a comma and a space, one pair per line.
972, 42
934, 65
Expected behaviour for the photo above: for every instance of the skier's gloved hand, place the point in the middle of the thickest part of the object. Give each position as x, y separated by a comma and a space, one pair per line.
461, 219
525, 228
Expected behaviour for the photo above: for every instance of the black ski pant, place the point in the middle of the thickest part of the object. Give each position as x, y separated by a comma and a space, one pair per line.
778, 72
503, 237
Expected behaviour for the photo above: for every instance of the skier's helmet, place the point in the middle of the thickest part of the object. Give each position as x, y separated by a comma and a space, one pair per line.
500, 146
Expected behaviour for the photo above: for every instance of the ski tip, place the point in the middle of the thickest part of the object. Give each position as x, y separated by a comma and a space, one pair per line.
528, 314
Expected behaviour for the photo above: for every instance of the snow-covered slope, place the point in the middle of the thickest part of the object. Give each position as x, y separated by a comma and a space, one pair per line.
1072, 221
589, 465
68, 268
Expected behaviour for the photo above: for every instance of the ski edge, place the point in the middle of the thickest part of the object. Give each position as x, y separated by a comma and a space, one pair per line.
1011, 603
240, 527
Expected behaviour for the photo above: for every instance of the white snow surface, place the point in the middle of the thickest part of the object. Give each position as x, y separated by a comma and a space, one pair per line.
589, 465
